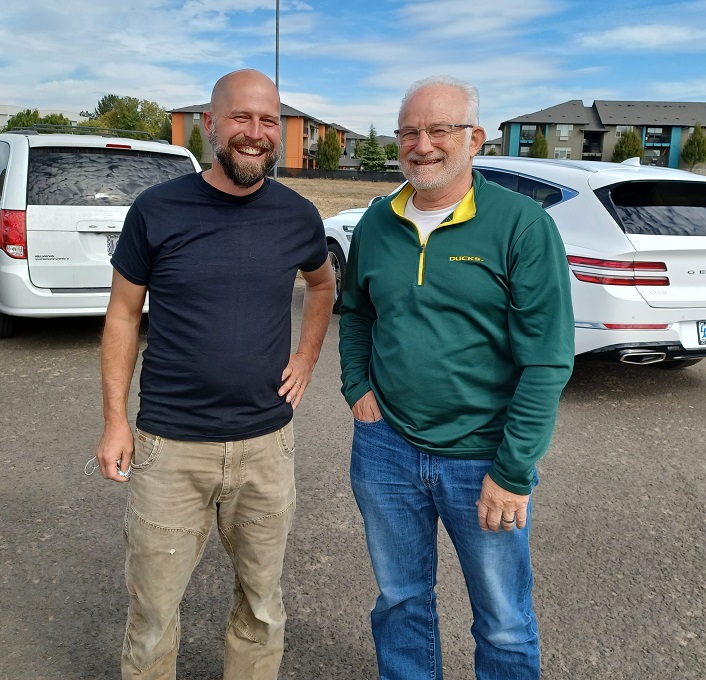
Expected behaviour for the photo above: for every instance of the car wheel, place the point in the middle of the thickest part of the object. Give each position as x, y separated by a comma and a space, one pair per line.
677, 363
7, 326
338, 262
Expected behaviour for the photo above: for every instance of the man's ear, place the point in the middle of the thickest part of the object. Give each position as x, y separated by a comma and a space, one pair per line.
207, 122
477, 140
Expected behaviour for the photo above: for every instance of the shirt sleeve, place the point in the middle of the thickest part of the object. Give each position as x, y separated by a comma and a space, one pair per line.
356, 327
316, 249
541, 324
131, 258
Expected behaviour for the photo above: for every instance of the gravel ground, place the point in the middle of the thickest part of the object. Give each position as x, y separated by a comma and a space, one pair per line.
331, 196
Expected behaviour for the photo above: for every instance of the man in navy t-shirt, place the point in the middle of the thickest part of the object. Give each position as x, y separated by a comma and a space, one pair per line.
218, 253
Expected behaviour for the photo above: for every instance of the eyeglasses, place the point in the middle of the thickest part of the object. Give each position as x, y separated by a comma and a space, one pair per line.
436, 133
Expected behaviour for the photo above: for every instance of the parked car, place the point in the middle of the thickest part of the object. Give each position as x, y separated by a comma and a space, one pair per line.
63, 199
635, 239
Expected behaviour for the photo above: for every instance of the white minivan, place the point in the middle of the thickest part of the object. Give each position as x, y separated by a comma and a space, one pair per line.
63, 199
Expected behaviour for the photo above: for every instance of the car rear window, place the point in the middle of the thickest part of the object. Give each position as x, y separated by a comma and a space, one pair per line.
97, 176
660, 208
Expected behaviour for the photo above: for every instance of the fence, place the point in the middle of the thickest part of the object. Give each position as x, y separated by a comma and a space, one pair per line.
309, 173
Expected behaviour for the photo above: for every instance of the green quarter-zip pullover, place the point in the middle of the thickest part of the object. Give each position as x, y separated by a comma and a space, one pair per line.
467, 338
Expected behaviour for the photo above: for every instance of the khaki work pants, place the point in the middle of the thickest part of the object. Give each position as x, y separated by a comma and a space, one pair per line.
177, 489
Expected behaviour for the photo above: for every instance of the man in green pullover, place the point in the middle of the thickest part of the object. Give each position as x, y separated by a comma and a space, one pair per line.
456, 340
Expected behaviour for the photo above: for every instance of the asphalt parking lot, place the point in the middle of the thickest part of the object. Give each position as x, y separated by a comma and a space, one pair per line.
619, 534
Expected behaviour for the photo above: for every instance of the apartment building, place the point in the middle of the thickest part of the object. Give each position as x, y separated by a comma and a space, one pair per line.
300, 134
583, 132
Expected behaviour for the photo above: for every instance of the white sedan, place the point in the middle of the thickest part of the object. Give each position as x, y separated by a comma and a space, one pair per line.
635, 239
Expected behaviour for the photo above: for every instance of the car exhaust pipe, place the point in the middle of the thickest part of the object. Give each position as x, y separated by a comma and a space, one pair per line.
641, 356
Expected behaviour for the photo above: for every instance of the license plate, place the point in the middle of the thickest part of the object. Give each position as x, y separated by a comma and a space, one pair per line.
112, 241
701, 326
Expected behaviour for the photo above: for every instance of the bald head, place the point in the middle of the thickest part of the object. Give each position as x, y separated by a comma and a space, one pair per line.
244, 129
225, 91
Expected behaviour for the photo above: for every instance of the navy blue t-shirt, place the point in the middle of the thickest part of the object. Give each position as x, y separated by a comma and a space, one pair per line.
220, 271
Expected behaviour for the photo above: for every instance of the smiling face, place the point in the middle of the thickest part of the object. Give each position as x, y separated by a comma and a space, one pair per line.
441, 168
243, 127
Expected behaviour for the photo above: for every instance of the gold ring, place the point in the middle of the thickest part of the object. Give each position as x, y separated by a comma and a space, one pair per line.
296, 382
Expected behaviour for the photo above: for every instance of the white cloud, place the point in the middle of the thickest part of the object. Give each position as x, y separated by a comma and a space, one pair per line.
349, 63
674, 37
478, 21
381, 111
693, 90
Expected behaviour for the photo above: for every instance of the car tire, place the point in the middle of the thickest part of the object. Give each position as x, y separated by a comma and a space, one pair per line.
677, 363
338, 262
7, 326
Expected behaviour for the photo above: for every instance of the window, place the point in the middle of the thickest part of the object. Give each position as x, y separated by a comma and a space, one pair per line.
94, 176
620, 130
197, 116
542, 193
504, 179
4, 159
562, 152
563, 132
659, 208
528, 132
656, 135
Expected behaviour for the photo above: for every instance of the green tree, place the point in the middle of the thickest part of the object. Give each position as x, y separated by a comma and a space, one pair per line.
694, 151
30, 117
372, 155
492, 152
22, 119
152, 116
55, 119
125, 115
105, 104
328, 151
628, 146
165, 131
128, 113
392, 152
195, 144
358, 147
539, 146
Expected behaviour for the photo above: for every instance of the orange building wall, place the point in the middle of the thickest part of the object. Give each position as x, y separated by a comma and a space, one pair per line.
178, 129
295, 143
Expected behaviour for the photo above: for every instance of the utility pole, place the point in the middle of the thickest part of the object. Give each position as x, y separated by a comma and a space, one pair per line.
274, 172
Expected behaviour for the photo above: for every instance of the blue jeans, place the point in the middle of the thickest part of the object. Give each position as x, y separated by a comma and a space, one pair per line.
401, 493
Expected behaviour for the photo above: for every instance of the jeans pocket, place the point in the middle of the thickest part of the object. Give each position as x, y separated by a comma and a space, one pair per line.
367, 423
147, 450
285, 440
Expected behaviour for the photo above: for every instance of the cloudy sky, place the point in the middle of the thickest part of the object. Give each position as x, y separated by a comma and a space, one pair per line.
350, 61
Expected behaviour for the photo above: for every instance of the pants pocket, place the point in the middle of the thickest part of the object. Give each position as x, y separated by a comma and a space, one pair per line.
147, 450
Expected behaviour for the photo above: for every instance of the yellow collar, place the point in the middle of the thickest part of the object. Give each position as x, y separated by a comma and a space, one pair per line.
466, 209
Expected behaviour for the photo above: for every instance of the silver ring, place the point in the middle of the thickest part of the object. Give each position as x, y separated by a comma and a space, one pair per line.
508, 521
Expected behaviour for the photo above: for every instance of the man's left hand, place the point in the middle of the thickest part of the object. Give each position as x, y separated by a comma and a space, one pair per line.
499, 508
295, 378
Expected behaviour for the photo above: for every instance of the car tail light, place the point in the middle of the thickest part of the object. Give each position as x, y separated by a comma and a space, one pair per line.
617, 272
13, 233
637, 326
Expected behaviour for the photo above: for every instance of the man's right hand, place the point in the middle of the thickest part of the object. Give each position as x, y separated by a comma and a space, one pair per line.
115, 449
366, 408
